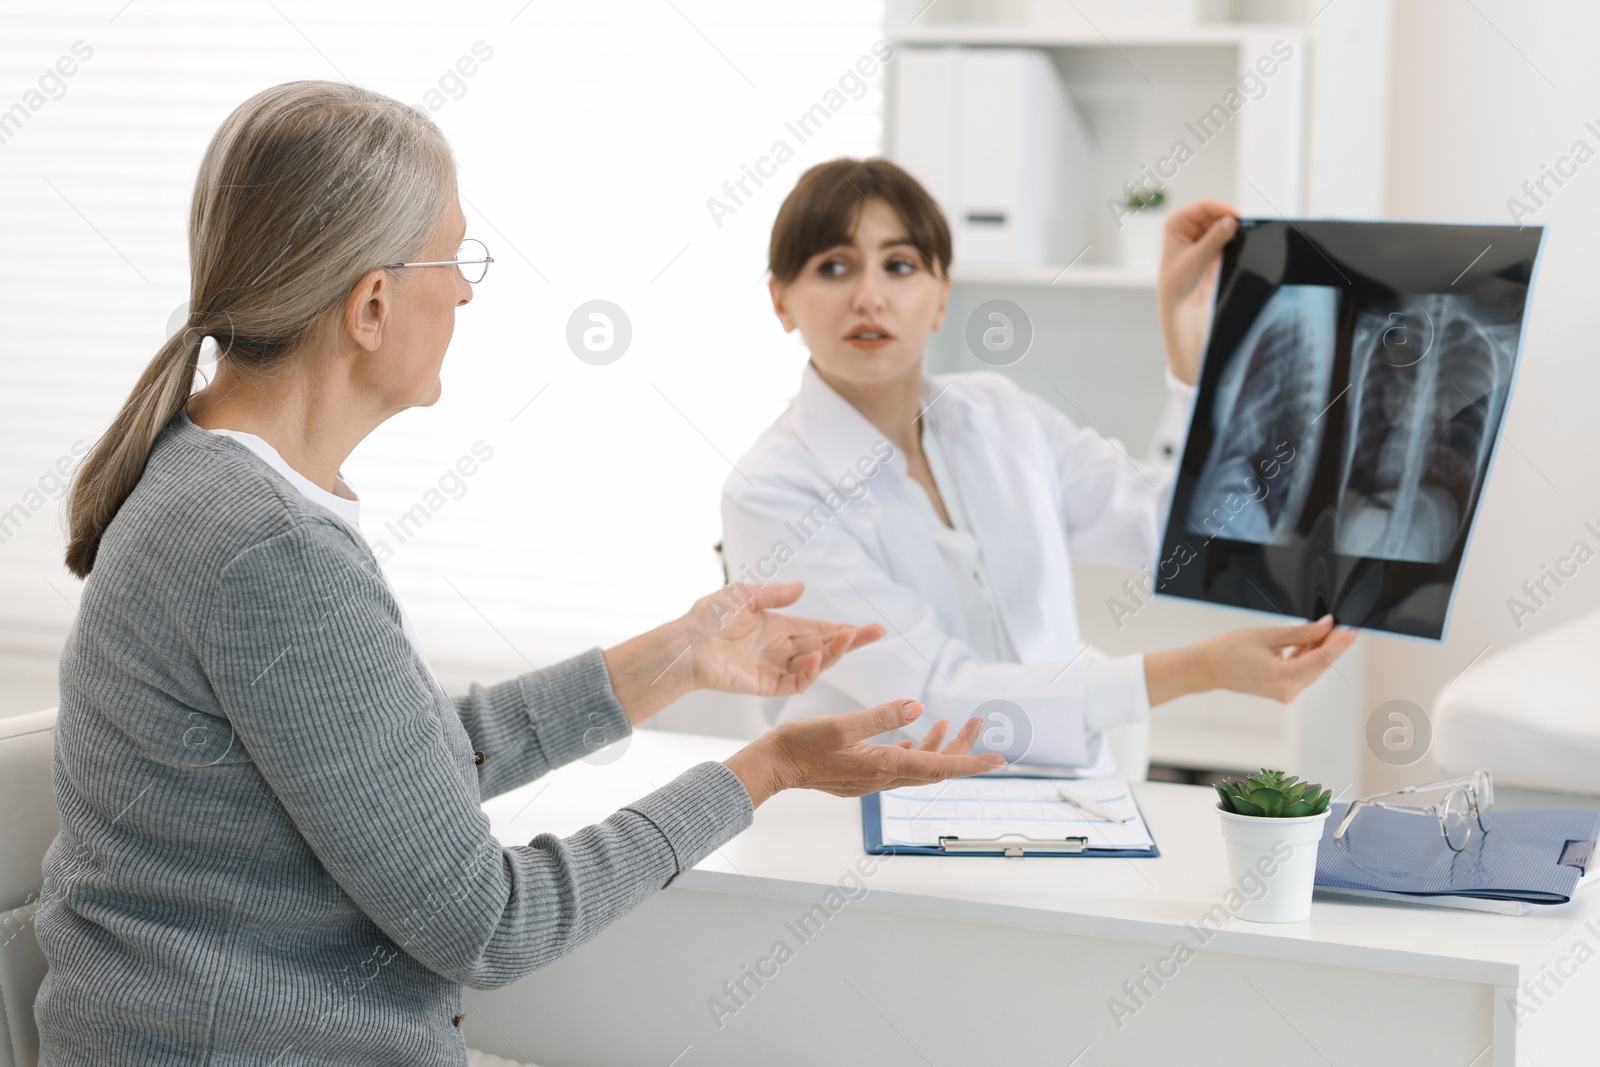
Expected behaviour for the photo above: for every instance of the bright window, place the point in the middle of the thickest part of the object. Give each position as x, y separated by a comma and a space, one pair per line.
590, 138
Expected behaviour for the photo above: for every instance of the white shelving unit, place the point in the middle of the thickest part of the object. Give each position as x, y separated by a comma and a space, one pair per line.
1303, 135
1141, 95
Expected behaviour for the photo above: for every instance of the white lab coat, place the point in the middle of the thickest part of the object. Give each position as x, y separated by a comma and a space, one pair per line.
822, 497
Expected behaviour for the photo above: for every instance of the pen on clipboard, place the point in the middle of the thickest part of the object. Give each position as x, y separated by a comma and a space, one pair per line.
1089, 807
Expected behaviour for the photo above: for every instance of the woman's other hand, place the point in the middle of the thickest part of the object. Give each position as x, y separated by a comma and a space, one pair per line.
832, 753
738, 644
1277, 662
1195, 233
733, 641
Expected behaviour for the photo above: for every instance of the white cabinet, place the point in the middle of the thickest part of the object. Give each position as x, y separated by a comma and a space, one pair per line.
997, 140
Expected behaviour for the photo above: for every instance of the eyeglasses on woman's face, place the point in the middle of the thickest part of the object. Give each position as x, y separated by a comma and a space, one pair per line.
472, 260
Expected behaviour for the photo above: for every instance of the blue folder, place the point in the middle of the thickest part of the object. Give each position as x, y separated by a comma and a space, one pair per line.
1531, 856
872, 836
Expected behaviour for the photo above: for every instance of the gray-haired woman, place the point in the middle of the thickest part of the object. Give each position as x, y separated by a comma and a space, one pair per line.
272, 846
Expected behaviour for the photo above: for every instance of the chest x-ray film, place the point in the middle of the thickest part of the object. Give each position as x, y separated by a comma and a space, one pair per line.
1355, 382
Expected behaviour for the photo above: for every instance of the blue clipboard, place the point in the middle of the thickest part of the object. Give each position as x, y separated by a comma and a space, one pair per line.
1532, 856
872, 838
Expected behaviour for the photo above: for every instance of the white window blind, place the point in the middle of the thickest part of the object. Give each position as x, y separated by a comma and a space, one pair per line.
590, 138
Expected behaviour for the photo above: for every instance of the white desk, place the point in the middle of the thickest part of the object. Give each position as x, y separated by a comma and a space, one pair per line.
962, 960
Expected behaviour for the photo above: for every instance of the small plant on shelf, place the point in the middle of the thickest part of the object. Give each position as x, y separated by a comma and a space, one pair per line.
1271, 795
1138, 201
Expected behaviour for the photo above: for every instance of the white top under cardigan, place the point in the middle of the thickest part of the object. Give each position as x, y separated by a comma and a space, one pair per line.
1033, 491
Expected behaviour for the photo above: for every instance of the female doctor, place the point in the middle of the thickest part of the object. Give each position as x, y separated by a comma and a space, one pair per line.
950, 508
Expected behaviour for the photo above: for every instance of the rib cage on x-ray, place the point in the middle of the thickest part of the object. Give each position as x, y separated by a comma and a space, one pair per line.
1275, 382
1420, 426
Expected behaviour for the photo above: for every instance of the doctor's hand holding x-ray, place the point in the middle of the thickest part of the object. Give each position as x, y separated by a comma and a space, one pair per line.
949, 508
1193, 240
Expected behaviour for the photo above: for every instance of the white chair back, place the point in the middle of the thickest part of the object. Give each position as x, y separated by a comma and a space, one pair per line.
28, 823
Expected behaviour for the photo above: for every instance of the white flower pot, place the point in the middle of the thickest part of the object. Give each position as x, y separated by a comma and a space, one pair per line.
1140, 238
1272, 863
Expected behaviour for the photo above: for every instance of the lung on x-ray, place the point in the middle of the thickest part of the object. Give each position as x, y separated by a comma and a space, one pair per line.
1355, 381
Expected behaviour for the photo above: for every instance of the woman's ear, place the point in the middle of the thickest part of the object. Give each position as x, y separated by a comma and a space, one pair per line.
366, 309
780, 305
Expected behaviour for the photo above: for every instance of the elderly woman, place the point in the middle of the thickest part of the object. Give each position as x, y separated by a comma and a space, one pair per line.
272, 845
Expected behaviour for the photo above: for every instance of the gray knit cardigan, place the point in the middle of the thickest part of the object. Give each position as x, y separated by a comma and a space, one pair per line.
272, 845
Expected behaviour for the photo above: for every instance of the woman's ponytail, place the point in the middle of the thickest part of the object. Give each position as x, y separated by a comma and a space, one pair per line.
114, 465
305, 188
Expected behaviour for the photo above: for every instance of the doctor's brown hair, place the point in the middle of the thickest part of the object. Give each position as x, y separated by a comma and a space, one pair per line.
826, 203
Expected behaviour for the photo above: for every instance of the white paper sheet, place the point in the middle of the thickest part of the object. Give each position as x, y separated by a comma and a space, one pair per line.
989, 807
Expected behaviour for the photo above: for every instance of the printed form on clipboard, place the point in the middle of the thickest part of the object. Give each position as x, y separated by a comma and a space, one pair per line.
1009, 815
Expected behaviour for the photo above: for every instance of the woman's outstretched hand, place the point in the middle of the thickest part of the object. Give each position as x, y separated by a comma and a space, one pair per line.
1195, 233
739, 645
1276, 662
832, 753
733, 641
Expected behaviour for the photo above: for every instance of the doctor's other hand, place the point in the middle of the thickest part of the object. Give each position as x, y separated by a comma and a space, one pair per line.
1195, 234
1276, 662
832, 753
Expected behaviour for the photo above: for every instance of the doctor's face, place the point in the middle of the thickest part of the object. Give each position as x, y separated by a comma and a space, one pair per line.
865, 309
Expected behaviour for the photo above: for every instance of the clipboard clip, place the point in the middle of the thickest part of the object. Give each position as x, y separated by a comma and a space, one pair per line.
1012, 844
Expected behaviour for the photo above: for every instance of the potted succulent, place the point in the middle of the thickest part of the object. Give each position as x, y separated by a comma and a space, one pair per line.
1272, 824
1142, 230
